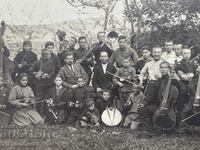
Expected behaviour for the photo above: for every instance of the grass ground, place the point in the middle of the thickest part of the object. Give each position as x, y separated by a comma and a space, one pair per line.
63, 138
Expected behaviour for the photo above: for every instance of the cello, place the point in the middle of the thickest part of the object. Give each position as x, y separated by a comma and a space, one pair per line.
6, 65
165, 117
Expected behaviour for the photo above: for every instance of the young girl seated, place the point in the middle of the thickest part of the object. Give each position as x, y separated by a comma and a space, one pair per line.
56, 110
22, 98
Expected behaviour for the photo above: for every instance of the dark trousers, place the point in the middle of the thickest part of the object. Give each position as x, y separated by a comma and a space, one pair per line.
73, 117
186, 99
145, 116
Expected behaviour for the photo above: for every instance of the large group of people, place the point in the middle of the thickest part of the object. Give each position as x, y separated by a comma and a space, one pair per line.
75, 86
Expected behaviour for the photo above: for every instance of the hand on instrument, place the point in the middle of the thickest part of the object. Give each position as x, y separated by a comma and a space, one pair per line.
140, 105
24, 104
20, 65
24, 63
45, 75
120, 84
74, 86
97, 124
174, 76
198, 69
71, 104
99, 89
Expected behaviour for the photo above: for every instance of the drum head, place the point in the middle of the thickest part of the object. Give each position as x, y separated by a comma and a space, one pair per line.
111, 117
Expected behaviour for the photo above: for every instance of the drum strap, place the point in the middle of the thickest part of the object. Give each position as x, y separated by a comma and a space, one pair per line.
111, 119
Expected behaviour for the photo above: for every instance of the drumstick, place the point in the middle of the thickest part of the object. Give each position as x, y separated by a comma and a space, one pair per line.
109, 116
114, 114
190, 117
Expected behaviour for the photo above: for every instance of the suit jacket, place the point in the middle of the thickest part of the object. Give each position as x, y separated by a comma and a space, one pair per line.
100, 79
70, 77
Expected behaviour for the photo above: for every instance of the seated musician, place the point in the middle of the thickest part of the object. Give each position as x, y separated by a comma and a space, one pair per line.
90, 115
146, 57
124, 74
101, 78
155, 96
133, 102
24, 59
56, 109
43, 73
78, 99
151, 71
104, 100
23, 99
71, 71
186, 70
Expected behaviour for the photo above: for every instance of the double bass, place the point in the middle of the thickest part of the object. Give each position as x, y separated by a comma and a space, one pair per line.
165, 117
6, 65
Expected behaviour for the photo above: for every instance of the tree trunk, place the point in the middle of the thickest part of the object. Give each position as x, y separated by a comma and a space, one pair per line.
131, 16
106, 20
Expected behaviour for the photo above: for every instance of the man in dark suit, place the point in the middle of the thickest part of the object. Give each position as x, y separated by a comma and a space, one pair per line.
71, 71
101, 79
101, 46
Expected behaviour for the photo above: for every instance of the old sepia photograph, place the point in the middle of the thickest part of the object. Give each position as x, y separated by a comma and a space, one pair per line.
99, 74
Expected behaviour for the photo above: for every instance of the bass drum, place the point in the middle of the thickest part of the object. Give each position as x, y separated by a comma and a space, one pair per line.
111, 116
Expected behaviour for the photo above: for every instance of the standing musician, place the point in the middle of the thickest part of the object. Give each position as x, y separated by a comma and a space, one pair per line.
43, 73
80, 56
101, 45
186, 70
24, 59
54, 58
123, 51
155, 96
169, 52
22, 97
69, 48
127, 72
146, 57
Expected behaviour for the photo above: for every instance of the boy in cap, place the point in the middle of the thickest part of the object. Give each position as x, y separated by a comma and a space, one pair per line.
90, 115
133, 102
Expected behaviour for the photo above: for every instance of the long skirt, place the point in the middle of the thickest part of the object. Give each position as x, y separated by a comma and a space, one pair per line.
27, 117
